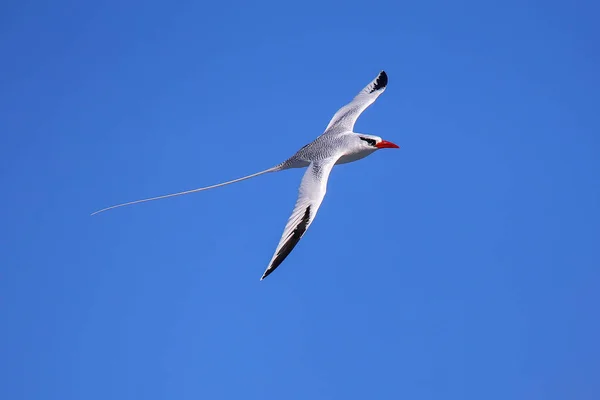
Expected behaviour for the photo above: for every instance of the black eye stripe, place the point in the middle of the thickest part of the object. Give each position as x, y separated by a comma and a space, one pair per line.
372, 142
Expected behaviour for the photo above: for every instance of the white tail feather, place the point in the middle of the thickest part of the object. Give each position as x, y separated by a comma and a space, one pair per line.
274, 169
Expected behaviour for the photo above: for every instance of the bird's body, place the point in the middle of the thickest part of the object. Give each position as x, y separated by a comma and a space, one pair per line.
345, 145
337, 145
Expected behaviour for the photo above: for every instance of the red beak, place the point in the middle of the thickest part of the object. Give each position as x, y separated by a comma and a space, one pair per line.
384, 144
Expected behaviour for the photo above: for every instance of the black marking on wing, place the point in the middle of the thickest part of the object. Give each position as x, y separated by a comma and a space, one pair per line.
291, 242
381, 82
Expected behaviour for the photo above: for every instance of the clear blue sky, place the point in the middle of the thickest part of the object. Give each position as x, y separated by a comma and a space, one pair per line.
463, 266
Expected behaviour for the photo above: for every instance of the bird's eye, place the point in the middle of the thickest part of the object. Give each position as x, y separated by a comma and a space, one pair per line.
371, 142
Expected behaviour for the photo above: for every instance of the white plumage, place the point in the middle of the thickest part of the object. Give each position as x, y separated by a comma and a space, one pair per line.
337, 145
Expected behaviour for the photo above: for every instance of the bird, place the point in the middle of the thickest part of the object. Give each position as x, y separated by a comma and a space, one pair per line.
338, 144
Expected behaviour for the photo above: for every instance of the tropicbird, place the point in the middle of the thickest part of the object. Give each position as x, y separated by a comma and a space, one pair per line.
338, 144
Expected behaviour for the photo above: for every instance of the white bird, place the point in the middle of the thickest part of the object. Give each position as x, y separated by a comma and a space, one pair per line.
337, 145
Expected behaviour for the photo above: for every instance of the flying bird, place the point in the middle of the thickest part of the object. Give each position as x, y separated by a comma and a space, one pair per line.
338, 144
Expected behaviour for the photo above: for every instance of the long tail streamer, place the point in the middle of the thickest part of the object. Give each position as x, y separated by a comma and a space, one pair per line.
274, 169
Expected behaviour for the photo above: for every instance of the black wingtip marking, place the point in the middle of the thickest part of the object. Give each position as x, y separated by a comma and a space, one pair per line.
380, 82
288, 246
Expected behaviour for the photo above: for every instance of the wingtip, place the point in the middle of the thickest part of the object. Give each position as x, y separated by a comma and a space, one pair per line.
266, 273
381, 81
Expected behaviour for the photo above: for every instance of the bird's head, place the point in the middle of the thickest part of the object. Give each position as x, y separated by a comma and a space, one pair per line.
372, 142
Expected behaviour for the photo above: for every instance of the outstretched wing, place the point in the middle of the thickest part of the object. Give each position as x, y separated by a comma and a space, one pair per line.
310, 195
346, 117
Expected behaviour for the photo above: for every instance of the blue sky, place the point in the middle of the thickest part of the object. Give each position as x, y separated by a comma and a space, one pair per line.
462, 266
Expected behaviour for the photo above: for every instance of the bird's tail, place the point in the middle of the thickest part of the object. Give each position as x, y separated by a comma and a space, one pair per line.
273, 169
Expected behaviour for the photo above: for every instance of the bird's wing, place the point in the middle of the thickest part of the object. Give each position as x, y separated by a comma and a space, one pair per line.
346, 117
310, 195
